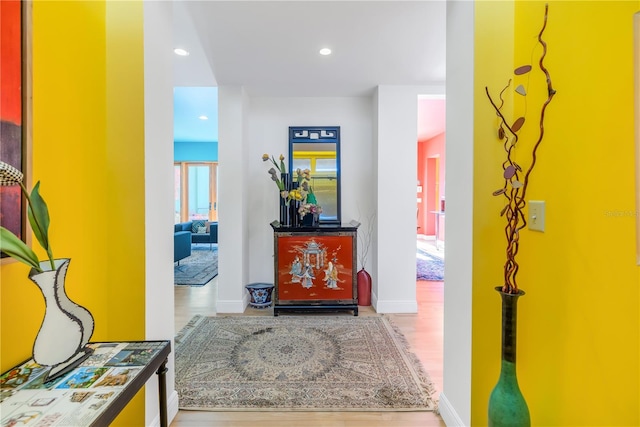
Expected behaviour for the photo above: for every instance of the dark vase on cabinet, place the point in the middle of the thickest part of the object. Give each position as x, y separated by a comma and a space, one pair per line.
309, 220
293, 213
285, 217
294, 216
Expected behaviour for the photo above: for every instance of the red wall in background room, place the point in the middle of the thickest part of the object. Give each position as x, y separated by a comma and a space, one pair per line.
431, 152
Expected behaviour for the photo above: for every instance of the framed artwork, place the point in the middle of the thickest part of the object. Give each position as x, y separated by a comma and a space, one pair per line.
15, 108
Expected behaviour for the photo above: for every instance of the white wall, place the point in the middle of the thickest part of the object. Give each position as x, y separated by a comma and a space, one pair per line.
158, 90
269, 121
234, 189
455, 400
374, 238
397, 136
397, 129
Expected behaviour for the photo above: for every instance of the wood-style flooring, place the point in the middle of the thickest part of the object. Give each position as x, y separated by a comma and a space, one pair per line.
423, 331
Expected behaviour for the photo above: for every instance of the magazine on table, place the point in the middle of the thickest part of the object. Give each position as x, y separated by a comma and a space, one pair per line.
78, 397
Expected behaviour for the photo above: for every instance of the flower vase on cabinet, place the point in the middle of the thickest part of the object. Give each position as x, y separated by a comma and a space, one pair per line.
309, 220
294, 215
293, 207
285, 218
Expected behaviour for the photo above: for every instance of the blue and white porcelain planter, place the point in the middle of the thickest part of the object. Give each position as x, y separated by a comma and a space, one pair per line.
260, 294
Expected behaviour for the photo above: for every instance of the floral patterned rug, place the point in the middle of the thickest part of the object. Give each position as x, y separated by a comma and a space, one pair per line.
298, 362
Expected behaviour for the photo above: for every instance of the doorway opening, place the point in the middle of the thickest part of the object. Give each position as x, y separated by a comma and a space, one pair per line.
196, 194
431, 189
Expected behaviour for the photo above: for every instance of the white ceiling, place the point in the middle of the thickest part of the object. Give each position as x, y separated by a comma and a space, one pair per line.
271, 47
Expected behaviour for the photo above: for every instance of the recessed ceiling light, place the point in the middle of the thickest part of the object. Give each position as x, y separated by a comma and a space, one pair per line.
203, 117
325, 51
181, 52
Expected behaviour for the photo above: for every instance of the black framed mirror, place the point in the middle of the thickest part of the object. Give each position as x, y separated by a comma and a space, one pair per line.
317, 148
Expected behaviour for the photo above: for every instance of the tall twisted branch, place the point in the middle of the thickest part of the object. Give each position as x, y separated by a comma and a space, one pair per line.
514, 189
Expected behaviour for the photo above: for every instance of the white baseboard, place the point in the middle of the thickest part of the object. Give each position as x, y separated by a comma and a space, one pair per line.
172, 406
448, 412
374, 300
230, 306
410, 306
172, 410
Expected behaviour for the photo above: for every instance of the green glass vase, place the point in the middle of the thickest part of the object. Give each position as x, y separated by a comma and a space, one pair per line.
507, 407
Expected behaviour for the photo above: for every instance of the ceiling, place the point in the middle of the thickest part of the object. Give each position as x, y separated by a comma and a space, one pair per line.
195, 114
271, 47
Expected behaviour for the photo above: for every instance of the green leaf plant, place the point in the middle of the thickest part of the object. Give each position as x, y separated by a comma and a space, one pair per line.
38, 215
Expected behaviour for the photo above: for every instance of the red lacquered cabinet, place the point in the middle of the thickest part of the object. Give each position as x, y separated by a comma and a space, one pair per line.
315, 268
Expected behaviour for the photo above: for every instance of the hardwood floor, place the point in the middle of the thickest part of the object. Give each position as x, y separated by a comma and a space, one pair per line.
424, 332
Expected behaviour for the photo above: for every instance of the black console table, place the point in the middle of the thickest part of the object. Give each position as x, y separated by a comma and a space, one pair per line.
92, 394
315, 268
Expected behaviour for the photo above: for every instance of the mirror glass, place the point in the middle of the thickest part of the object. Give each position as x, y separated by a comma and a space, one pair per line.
317, 148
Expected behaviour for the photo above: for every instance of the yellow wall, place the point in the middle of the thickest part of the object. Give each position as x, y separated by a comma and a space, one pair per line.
578, 330
88, 154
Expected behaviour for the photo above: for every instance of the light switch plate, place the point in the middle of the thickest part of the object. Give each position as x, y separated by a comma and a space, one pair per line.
536, 215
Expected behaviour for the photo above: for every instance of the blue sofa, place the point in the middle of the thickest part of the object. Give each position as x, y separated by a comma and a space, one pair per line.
193, 228
181, 245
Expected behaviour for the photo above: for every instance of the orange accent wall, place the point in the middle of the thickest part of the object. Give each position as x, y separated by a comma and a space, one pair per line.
431, 175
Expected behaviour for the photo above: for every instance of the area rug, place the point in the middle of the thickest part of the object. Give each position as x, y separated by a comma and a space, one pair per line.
298, 362
429, 266
198, 268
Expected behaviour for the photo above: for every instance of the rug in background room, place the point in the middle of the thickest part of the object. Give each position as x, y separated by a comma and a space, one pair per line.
429, 266
298, 362
198, 268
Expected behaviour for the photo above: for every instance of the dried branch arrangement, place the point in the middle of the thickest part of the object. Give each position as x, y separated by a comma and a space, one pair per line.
364, 239
516, 180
